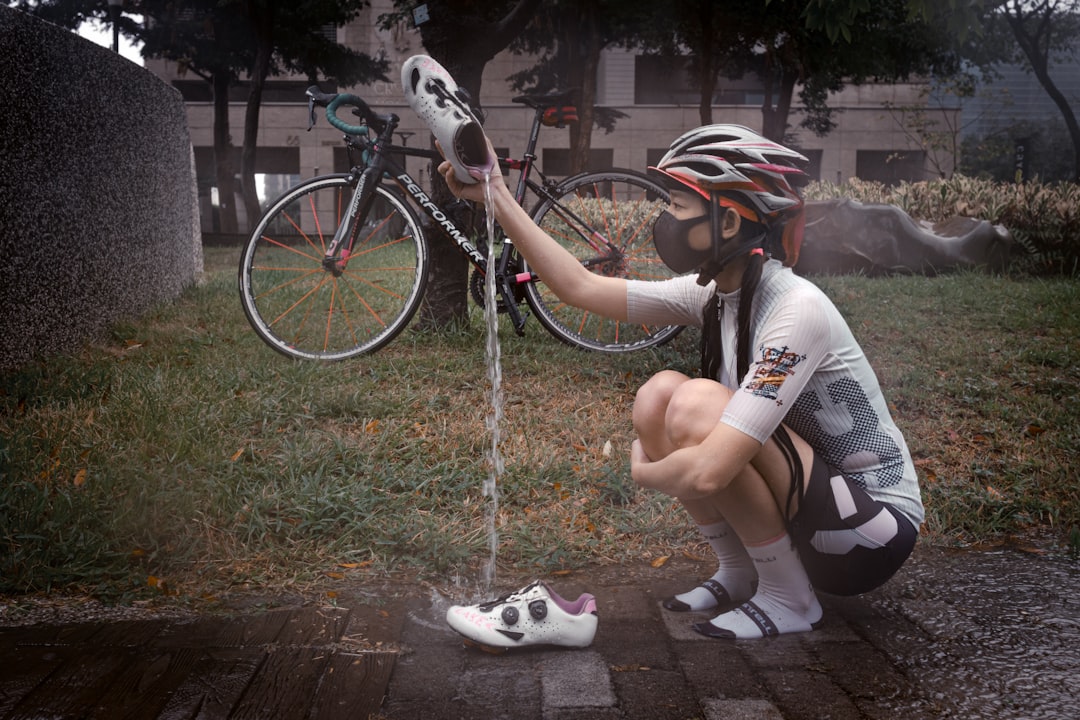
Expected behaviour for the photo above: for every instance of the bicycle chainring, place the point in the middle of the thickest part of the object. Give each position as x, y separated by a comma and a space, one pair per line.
479, 292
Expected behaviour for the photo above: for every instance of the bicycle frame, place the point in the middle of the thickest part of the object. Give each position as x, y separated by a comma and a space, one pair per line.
383, 164
316, 297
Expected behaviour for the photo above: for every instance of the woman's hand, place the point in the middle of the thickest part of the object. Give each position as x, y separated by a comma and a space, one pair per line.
667, 475
473, 191
696, 471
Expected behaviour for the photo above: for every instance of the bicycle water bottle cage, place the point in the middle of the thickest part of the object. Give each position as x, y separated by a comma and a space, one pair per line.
559, 115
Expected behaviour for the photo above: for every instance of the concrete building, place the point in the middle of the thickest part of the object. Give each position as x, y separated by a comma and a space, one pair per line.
869, 142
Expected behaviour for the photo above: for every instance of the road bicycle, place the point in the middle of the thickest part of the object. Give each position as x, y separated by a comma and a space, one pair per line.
337, 266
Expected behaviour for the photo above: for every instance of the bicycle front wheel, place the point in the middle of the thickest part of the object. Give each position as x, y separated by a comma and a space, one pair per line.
604, 219
308, 308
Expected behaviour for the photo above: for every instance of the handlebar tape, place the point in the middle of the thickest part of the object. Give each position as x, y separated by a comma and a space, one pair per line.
354, 101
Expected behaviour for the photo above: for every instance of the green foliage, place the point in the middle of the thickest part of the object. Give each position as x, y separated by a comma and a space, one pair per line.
1044, 219
835, 18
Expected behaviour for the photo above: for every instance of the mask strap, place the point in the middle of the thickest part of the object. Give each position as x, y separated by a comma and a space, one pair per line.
713, 266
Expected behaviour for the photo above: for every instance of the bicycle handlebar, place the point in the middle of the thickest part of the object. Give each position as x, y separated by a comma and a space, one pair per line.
334, 101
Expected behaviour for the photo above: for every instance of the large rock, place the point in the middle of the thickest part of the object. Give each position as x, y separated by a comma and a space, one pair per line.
98, 205
845, 236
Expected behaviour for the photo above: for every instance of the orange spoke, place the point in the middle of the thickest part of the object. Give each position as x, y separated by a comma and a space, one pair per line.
271, 241
283, 285
301, 299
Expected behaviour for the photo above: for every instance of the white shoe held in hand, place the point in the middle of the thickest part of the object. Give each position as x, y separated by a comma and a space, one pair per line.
436, 98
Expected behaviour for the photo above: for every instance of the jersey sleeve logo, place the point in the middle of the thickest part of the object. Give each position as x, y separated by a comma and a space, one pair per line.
775, 366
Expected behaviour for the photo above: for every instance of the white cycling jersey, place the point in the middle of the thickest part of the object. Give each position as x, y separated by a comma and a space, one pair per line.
807, 371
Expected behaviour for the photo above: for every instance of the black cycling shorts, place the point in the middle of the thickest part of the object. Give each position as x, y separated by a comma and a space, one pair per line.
849, 543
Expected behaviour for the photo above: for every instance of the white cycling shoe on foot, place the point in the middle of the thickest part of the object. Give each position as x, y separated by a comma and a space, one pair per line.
432, 93
534, 615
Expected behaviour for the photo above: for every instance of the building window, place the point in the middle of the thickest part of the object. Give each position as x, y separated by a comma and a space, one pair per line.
329, 31
814, 168
890, 167
664, 80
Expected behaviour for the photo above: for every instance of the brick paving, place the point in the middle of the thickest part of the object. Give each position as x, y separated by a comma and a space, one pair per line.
968, 635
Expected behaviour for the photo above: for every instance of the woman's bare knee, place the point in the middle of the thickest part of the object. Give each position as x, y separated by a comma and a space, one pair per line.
652, 398
693, 411
650, 410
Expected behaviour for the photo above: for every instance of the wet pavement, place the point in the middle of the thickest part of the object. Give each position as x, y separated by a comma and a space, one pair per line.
971, 634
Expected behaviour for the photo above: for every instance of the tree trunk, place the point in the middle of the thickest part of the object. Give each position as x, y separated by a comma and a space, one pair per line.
1040, 65
223, 155
706, 61
259, 71
584, 45
779, 91
446, 298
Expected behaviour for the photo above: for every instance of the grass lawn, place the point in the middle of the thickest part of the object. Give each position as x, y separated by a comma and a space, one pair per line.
181, 454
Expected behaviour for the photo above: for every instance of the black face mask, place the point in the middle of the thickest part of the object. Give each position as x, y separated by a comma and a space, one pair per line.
671, 237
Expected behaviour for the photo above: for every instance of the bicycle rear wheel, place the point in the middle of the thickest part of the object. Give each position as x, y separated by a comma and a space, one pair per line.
604, 219
305, 310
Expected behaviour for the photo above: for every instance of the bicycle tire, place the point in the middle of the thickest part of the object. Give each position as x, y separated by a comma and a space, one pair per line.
622, 205
307, 312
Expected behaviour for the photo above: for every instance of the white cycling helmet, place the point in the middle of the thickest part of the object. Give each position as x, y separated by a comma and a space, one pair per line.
734, 167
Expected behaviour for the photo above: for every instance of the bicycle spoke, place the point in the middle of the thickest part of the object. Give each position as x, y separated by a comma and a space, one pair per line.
605, 220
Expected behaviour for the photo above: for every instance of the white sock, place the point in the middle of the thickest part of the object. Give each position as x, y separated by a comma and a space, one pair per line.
735, 576
784, 603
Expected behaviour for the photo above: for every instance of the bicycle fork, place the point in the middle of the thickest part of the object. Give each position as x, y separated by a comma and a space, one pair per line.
337, 253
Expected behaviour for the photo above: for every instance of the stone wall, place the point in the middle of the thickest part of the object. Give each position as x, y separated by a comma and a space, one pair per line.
98, 209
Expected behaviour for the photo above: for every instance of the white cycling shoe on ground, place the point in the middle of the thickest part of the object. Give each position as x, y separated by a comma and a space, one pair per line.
534, 615
432, 93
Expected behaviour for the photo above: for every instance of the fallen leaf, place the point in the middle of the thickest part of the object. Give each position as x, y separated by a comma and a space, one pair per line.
372, 427
80, 477
1034, 430
607, 449
236, 455
659, 562
334, 575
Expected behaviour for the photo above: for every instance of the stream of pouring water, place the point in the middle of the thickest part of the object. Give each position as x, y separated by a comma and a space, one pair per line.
494, 372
